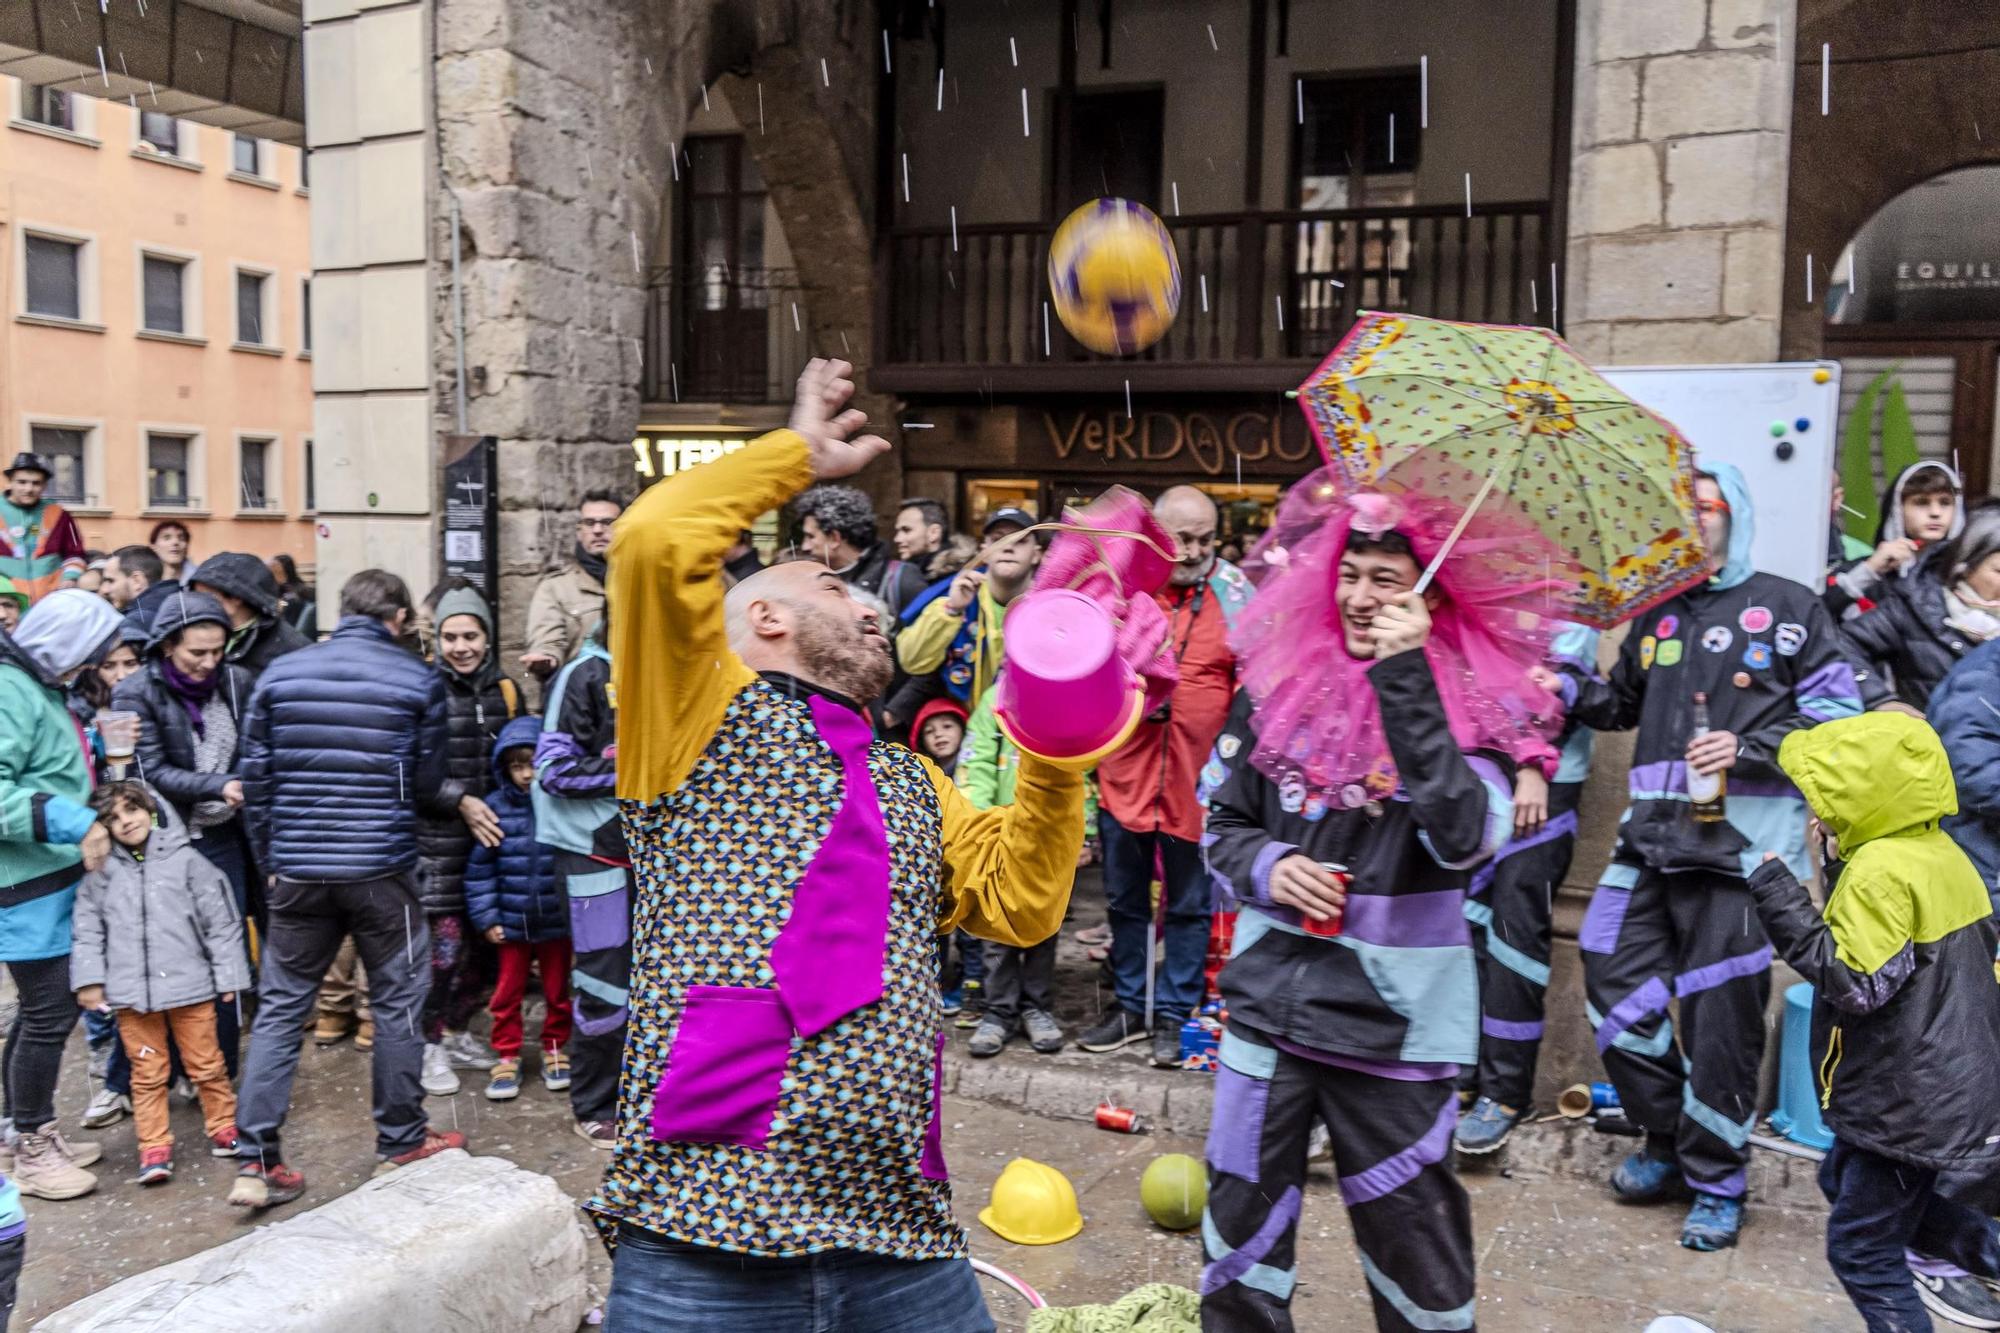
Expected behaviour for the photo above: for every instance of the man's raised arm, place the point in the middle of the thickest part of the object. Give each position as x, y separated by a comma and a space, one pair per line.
673, 673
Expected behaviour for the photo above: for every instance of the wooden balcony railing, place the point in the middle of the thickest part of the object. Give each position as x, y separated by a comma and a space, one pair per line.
961, 309
723, 335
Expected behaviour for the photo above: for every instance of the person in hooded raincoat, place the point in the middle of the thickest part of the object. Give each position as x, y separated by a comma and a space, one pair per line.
1671, 918
1921, 508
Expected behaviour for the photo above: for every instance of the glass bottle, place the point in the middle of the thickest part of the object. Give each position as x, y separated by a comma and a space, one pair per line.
1707, 791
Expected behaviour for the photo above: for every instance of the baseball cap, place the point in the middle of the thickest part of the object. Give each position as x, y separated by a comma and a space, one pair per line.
1020, 518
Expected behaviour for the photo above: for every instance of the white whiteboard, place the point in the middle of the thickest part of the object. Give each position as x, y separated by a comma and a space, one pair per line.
1728, 413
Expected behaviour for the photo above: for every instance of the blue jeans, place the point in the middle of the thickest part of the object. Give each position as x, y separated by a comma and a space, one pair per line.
1880, 1206
660, 1286
1128, 877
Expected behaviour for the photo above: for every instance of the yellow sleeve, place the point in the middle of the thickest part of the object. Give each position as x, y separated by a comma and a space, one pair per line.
1008, 871
672, 670
922, 644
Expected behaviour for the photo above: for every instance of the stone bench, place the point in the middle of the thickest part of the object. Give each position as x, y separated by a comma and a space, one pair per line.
453, 1244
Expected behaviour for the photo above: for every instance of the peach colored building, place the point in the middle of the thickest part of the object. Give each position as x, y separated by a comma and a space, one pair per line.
155, 342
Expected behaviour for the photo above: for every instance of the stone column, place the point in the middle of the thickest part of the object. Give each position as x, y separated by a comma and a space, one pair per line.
1677, 200
368, 129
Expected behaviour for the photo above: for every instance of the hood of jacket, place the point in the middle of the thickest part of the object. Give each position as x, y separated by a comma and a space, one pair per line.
1891, 527
242, 577
1871, 776
1742, 524
176, 613
65, 630
524, 731
466, 602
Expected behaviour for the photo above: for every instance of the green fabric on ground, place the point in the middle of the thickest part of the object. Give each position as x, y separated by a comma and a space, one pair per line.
1157, 1307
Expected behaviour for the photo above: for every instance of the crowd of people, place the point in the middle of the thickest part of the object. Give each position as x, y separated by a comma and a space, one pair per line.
744, 831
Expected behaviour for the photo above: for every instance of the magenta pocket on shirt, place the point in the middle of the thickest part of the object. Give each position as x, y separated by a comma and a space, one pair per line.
725, 1069
934, 1167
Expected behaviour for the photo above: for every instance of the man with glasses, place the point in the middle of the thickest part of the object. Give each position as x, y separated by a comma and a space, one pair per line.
568, 605
1673, 919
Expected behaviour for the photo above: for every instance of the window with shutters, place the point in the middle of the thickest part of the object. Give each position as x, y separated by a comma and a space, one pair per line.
253, 292
64, 448
165, 281
160, 132
55, 276
255, 487
48, 106
168, 462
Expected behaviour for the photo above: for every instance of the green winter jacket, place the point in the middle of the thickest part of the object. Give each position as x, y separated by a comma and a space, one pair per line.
44, 787
1906, 1011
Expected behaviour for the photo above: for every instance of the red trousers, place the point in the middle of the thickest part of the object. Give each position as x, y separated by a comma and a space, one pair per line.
516, 956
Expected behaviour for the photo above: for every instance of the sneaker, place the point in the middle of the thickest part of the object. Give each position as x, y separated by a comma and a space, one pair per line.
954, 1000
156, 1165
439, 1079
1485, 1127
503, 1084
468, 1052
1963, 1300
972, 1004
100, 1061
224, 1142
183, 1088
555, 1069
598, 1133
1648, 1176
1712, 1224
331, 1029
435, 1142
106, 1108
1044, 1033
79, 1154
1167, 1045
1114, 1030
991, 1036
1319, 1143
364, 1035
259, 1186
42, 1170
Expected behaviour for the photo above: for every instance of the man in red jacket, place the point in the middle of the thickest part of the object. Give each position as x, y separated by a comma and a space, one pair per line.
1148, 807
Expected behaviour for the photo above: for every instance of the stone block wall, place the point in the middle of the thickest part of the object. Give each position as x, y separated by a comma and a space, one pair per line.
1677, 195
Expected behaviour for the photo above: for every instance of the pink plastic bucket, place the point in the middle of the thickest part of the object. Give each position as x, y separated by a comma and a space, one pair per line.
1066, 695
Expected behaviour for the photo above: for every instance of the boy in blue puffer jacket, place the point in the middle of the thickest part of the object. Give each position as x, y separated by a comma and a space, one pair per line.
517, 901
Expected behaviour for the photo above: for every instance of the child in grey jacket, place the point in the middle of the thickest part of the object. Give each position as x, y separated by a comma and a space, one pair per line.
157, 938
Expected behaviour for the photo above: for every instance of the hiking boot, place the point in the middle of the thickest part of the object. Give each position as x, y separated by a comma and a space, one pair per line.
259, 1186
1044, 1033
1712, 1224
42, 1170
555, 1069
468, 1052
435, 1142
1114, 1030
331, 1028
224, 1142
364, 1035
1963, 1299
503, 1084
79, 1154
991, 1036
106, 1108
972, 1004
598, 1133
439, 1079
1485, 1127
156, 1165
1649, 1175
1167, 1045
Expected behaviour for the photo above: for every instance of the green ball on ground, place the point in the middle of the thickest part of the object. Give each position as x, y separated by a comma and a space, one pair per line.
1174, 1190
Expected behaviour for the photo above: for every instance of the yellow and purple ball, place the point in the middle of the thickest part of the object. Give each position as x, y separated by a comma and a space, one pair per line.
1114, 276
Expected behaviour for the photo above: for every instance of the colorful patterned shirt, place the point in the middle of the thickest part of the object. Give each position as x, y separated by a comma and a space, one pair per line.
41, 549
727, 788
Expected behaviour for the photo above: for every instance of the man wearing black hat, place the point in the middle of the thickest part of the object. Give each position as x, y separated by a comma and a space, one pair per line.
259, 634
41, 548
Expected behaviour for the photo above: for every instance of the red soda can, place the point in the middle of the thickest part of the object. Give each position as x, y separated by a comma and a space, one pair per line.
1118, 1119
1327, 930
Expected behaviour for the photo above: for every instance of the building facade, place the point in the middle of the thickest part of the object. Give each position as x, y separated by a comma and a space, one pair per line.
157, 341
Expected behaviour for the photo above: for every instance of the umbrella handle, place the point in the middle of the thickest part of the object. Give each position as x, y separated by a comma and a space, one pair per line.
1528, 420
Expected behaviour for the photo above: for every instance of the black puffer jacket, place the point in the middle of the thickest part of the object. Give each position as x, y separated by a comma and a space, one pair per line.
477, 708
1902, 649
165, 753
267, 638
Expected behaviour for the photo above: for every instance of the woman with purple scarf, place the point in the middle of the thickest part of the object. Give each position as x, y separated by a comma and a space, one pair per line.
190, 705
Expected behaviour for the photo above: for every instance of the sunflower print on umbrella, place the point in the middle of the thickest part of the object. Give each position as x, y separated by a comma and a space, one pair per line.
1406, 403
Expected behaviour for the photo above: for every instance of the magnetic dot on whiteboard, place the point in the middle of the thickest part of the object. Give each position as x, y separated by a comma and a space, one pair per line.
1802, 425
1777, 428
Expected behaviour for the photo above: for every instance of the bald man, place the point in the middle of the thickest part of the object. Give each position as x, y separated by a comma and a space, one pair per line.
1148, 805
778, 1161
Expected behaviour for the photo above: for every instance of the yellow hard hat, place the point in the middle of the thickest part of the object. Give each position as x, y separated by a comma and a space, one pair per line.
1033, 1204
